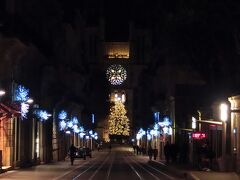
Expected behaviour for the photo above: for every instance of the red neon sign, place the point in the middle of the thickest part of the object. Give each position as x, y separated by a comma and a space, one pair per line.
198, 135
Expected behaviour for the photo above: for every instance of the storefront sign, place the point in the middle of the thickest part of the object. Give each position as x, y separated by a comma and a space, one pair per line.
198, 135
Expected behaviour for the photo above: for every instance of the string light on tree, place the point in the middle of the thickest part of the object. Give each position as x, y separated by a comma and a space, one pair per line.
116, 74
118, 121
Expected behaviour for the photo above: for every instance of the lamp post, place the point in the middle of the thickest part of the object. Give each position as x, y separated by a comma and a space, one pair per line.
223, 118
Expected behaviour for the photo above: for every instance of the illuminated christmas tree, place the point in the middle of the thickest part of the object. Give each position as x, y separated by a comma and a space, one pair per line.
118, 121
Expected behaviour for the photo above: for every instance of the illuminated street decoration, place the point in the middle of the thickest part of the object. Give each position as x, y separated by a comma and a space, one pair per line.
118, 122
62, 125
140, 134
75, 120
116, 74
43, 115
156, 116
149, 137
166, 122
21, 93
24, 109
76, 129
93, 119
70, 124
81, 134
62, 115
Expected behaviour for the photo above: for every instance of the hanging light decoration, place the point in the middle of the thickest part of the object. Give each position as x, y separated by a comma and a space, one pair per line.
116, 74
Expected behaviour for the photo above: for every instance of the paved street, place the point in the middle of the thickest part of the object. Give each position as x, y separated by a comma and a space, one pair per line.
120, 164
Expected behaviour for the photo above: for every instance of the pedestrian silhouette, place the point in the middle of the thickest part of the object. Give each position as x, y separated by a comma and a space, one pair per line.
150, 153
167, 152
72, 151
110, 147
138, 149
155, 153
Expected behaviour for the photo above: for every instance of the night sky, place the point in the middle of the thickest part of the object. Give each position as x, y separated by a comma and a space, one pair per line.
204, 35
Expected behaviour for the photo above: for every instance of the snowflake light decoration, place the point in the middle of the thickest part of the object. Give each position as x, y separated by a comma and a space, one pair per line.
24, 109
43, 115
62, 125
116, 74
62, 115
75, 120
21, 93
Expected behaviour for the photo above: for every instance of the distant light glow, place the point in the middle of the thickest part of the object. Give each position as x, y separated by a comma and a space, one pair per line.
194, 123
62, 115
156, 116
93, 119
68, 132
24, 109
2, 92
234, 130
30, 101
87, 137
149, 137
123, 98
223, 112
90, 132
21, 93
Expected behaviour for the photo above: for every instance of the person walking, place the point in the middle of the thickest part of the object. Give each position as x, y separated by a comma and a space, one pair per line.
150, 153
155, 153
72, 151
167, 151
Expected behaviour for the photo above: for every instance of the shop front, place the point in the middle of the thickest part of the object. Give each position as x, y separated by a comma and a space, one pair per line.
8, 138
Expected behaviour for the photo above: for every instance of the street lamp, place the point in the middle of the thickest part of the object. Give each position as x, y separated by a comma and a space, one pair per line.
2, 92
224, 117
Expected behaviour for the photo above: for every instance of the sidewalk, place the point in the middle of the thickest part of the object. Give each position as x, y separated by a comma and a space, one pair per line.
46, 171
187, 172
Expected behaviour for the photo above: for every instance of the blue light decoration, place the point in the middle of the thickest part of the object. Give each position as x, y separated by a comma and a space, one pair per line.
70, 124
68, 132
166, 122
24, 109
75, 120
62, 115
76, 130
93, 119
166, 125
140, 134
90, 132
156, 116
43, 115
81, 134
62, 125
81, 129
149, 137
21, 94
